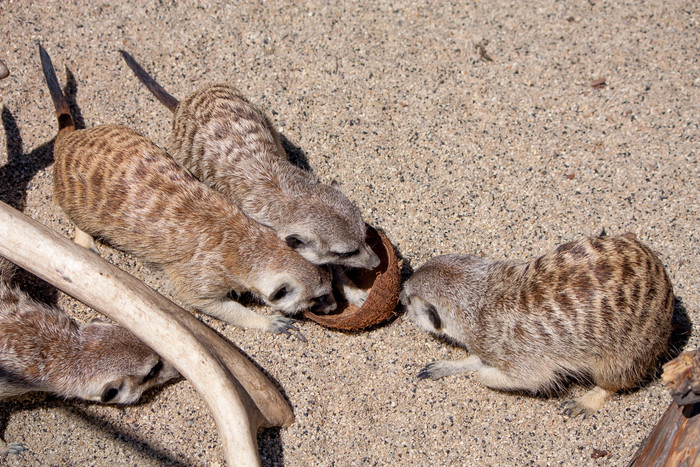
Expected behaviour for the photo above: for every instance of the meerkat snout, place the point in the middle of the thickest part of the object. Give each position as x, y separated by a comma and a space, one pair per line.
138, 368
334, 243
284, 292
598, 308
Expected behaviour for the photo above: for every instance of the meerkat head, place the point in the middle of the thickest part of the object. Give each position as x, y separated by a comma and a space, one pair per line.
293, 284
121, 367
329, 230
440, 296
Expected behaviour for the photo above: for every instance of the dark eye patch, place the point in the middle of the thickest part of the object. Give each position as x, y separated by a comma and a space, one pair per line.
294, 242
153, 373
279, 293
109, 394
348, 254
433, 316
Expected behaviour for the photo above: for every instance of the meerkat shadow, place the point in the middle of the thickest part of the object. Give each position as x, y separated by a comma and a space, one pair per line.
15, 177
295, 154
70, 90
681, 330
18, 172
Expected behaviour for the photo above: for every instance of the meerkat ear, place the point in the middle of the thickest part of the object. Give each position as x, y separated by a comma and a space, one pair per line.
335, 184
294, 242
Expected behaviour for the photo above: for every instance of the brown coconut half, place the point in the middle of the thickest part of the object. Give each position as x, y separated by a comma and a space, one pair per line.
383, 283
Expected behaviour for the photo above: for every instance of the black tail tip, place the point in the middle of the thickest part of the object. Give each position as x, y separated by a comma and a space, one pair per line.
127, 56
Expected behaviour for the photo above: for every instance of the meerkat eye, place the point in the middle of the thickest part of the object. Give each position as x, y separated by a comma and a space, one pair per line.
433, 316
153, 373
109, 394
294, 242
279, 293
348, 254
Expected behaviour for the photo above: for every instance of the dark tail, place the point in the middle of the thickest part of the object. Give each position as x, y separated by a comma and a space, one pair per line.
65, 119
169, 101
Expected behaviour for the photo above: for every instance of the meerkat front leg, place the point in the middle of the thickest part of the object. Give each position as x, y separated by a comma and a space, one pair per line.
234, 313
85, 240
442, 368
489, 376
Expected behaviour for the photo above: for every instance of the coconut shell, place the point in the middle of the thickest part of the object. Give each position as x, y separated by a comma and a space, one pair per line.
383, 283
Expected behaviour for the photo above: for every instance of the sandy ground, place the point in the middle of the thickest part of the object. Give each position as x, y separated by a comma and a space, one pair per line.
461, 127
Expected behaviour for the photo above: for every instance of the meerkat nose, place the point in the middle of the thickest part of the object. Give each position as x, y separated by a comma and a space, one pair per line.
404, 298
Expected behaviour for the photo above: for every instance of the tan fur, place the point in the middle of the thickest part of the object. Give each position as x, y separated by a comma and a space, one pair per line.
116, 185
598, 308
230, 144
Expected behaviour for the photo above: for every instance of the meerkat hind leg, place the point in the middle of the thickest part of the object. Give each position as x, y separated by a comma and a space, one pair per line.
85, 240
234, 313
442, 368
588, 404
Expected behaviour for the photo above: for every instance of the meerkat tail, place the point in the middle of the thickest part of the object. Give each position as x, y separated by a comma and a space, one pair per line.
65, 119
163, 96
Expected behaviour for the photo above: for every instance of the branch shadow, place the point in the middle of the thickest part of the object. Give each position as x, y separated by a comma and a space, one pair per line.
75, 407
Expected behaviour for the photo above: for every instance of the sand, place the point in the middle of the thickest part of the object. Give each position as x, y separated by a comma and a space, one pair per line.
461, 127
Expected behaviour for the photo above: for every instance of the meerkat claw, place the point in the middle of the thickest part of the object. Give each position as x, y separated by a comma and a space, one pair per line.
282, 325
14, 448
574, 409
428, 372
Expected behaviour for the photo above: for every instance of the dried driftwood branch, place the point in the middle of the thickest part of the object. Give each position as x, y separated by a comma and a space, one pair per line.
682, 376
240, 397
674, 440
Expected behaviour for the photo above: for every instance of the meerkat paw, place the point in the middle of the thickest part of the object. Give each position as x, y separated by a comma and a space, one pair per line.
86, 241
588, 404
284, 325
234, 313
442, 368
355, 296
352, 293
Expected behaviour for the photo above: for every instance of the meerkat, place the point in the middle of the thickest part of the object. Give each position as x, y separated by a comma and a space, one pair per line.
42, 349
597, 309
116, 185
230, 144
